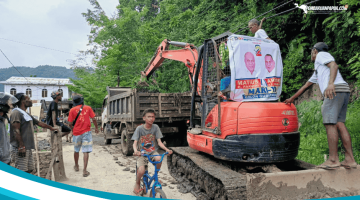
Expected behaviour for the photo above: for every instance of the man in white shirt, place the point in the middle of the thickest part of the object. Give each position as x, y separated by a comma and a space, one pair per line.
255, 27
337, 93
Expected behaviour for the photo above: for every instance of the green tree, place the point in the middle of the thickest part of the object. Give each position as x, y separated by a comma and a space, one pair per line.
129, 40
91, 85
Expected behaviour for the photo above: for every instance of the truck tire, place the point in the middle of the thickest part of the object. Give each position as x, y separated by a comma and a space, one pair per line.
126, 143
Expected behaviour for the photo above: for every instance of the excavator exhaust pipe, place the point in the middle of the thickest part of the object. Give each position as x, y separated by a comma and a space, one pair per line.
177, 44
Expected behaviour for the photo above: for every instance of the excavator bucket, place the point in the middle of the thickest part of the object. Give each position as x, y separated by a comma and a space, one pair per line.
142, 84
142, 81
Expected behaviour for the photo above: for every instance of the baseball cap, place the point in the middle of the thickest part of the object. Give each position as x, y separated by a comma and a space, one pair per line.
19, 96
78, 100
321, 46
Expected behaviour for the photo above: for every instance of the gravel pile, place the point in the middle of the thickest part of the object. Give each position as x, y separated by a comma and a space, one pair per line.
44, 145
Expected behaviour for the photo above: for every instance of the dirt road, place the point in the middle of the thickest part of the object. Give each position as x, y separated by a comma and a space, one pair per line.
110, 171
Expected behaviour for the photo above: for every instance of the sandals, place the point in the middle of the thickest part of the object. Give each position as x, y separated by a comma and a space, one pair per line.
86, 174
329, 167
137, 192
353, 166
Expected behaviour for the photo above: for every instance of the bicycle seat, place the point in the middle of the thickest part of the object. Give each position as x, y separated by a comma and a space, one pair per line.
150, 156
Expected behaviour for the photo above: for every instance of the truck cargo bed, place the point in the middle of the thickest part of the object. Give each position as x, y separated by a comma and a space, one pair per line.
129, 104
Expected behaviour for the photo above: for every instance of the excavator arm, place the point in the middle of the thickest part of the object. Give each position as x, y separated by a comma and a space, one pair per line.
188, 55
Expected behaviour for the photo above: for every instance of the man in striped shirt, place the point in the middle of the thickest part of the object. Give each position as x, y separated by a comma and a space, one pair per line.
337, 93
22, 134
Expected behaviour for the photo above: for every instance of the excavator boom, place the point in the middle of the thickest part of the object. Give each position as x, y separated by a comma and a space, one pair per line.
188, 55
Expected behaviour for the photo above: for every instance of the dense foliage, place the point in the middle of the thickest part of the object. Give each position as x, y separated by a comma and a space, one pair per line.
313, 139
47, 71
129, 39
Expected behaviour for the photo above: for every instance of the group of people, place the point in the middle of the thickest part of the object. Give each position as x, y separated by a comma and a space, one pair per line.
18, 148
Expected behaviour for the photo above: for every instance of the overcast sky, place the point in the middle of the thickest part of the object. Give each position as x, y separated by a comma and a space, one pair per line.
55, 24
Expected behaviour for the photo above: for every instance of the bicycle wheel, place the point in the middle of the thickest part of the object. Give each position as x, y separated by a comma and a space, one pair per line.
159, 194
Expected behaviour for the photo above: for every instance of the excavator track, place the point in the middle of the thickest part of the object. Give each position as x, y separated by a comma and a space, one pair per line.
217, 181
209, 178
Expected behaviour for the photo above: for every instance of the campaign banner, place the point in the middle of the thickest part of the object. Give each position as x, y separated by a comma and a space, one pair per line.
256, 69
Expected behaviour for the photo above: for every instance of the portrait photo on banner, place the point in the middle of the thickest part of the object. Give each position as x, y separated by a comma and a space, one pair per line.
256, 69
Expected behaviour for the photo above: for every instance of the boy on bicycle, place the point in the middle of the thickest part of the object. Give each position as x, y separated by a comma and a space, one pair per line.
147, 139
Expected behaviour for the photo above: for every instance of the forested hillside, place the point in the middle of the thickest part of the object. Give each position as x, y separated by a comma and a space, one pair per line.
129, 39
46, 71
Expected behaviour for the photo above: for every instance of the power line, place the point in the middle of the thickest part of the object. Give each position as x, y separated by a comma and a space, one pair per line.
291, 9
231, 16
278, 13
266, 13
274, 8
228, 18
38, 46
207, 7
16, 68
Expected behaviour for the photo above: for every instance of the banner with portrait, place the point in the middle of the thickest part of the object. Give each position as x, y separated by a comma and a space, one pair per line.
256, 69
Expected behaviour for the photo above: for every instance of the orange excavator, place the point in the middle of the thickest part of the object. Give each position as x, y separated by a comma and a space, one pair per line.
240, 149
259, 132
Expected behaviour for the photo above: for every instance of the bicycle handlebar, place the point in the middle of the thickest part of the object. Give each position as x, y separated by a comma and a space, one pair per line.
155, 162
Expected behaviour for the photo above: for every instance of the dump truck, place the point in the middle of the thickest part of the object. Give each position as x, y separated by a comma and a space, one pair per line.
242, 141
122, 112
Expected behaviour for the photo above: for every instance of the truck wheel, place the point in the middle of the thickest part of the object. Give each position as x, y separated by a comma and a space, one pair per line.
126, 143
107, 141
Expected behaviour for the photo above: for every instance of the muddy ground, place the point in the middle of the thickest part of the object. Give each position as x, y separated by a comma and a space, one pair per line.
113, 172
110, 171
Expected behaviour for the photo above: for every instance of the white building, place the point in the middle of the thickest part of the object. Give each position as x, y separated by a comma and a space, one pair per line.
36, 87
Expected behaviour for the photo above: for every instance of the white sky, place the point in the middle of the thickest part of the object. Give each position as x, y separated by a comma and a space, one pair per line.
55, 24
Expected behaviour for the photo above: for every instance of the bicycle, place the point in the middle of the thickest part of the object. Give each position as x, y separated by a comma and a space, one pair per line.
145, 183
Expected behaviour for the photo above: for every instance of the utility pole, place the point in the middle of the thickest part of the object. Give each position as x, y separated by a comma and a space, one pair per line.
118, 79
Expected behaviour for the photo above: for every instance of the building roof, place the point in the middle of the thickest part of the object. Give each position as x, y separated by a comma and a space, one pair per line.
36, 81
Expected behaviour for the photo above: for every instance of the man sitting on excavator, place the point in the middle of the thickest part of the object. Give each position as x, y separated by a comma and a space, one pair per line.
255, 27
225, 68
